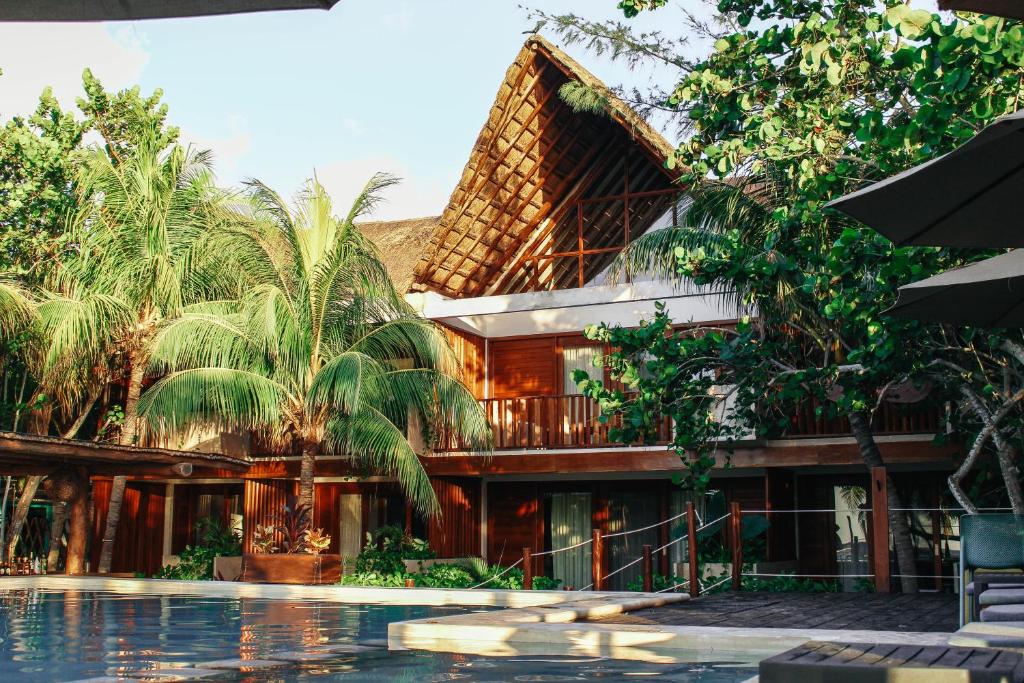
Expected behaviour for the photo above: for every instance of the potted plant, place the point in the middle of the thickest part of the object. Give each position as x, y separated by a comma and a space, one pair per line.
291, 551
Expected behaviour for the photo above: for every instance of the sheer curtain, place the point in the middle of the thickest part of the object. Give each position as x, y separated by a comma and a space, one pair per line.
571, 524
579, 414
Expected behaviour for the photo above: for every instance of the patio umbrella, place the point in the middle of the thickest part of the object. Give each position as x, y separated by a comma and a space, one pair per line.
967, 198
1000, 8
988, 293
117, 10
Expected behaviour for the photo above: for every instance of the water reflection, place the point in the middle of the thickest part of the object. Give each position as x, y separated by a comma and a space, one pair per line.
65, 636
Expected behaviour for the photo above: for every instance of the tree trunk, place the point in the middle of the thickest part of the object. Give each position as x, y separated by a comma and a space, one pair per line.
905, 561
113, 520
21, 512
3, 516
1008, 457
60, 515
309, 453
129, 435
90, 401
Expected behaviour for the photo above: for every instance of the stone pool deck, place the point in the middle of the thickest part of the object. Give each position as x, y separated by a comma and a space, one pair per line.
922, 613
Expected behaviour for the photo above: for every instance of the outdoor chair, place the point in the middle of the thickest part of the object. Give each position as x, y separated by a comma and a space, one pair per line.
991, 548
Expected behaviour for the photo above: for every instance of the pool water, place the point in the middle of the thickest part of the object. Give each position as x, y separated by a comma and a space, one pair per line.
69, 635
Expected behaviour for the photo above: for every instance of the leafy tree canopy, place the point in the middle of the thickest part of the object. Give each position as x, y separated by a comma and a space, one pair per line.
39, 157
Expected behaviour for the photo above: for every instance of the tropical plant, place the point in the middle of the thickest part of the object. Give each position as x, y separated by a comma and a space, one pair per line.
293, 525
387, 547
264, 539
136, 266
316, 541
195, 563
321, 352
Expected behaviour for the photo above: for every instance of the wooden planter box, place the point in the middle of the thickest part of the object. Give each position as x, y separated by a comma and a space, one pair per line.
294, 568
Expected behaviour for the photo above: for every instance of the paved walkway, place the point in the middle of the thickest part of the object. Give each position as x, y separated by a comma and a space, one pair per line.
862, 611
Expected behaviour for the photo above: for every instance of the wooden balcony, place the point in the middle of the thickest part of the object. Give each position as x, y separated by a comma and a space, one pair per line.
571, 421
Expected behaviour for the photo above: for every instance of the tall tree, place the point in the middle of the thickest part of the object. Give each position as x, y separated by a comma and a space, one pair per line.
137, 227
801, 102
321, 351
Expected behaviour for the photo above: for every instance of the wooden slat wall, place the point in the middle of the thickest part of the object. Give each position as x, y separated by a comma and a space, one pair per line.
524, 367
457, 532
471, 352
515, 519
138, 545
262, 504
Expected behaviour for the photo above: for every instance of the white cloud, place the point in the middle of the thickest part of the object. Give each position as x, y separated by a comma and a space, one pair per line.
227, 150
412, 198
35, 55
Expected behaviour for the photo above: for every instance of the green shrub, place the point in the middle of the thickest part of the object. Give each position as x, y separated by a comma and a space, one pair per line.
446, 576
386, 548
544, 583
658, 583
196, 562
374, 579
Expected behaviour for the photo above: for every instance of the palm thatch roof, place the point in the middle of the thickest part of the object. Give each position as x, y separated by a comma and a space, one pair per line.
533, 161
400, 244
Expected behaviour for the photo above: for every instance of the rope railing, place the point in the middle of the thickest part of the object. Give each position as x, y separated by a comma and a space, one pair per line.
645, 528
506, 570
561, 550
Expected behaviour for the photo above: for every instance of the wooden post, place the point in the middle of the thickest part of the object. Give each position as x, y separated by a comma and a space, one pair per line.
880, 528
527, 569
78, 527
648, 567
736, 538
597, 561
937, 548
691, 546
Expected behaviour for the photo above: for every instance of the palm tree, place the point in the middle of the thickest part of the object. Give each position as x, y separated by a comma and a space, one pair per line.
321, 351
135, 266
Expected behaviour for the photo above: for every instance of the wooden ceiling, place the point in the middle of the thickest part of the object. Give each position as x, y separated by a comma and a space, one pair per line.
520, 194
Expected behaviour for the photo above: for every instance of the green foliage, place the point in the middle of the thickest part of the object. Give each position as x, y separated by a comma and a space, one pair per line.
659, 583
386, 548
40, 158
196, 562
788, 584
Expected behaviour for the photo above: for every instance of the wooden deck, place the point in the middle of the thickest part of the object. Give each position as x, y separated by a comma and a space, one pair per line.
874, 663
861, 611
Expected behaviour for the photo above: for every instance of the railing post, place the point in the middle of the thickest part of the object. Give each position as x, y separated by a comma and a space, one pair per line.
648, 567
597, 561
527, 569
736, 537
691, 546
880, 528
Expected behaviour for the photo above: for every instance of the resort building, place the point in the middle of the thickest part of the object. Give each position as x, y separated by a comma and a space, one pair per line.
515, 268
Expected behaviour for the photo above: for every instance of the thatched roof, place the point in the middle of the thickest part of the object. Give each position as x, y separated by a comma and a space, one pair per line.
533, 160
401, 244
1000, 8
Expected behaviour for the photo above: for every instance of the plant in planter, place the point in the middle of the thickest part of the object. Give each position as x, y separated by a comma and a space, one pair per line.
291, 551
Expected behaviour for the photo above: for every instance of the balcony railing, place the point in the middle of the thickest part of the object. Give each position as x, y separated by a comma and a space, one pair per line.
571, 421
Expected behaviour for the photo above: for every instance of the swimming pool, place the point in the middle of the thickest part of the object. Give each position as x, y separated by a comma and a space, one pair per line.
67, 635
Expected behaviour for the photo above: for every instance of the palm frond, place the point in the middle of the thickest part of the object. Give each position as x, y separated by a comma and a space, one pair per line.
371, 438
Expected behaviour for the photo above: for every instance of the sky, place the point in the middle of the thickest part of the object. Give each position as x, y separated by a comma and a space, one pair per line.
401, 86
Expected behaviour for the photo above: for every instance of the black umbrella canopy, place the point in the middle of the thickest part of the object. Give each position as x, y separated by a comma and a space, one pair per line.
1000, 8
988, 293
118, 10
967, 198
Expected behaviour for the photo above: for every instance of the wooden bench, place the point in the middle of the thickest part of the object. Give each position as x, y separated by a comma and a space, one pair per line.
821, 662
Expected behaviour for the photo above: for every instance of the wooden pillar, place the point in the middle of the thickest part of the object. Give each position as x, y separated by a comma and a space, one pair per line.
937, 548
880, 528
691, 546
648, 570
736, 538
527, 569
597, 561
78, 527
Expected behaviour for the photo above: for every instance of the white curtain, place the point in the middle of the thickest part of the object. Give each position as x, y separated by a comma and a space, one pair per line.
571, 524
578, 358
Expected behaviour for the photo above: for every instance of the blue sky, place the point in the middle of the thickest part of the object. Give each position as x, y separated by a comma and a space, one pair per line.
400, 86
